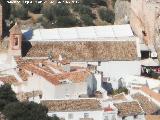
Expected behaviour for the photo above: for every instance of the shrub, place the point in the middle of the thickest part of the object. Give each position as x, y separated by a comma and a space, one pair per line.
46, 23
120, 90
88, 2
19, 12
66, 21
26, 111
61, 10
53, 12
6, 96
82, 9
33, 7
49, 13
88, 20
107, 15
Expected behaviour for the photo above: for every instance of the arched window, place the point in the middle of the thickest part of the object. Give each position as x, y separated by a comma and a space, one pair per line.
15, 41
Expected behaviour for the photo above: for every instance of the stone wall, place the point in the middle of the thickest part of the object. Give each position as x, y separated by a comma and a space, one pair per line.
142, 18
122, 10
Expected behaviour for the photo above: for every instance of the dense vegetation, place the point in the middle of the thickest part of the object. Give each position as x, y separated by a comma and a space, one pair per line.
120, 90
107, 15
16, 110
63, 15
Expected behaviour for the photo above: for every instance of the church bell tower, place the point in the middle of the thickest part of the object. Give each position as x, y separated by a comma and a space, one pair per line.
15, 41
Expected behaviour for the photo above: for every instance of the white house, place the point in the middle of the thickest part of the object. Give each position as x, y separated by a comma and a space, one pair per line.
78, 109
114, 49
130, 110
81, 109
43, 76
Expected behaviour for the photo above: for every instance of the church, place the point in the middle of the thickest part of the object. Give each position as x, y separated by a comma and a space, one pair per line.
110, 48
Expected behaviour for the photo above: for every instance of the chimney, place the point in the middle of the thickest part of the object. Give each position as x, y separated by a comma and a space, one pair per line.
66, 65
60, 57
40, 64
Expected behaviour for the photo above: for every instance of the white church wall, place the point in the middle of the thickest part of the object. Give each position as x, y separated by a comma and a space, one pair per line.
115, 69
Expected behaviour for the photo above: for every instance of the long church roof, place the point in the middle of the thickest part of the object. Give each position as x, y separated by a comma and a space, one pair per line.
94, 43
90, 33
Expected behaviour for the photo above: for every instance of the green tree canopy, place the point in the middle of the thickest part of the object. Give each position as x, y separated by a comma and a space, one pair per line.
107, 15
26, 111
6, 95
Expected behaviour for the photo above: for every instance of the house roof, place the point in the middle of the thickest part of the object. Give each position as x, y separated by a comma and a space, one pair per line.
55, 78
148, 106
120, 96
8, 79
128, 108
72, 105
76, 76
88, 33
84, 50
151, 93
152, 117
15, 30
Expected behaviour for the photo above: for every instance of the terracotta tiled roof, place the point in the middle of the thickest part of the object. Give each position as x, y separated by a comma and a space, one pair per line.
72, 105
151, 93
120, 96
152, 117
128, 108
86, 50
44, 70
8, 79
148, 106
75, 76
65, 62
41, 72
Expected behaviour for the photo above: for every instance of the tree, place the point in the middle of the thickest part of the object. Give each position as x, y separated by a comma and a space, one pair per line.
49, 13
19, 12
32, 6
107, 15
87, 19
6, 95
88, 2
26, 111
61, 10
66, 21
82, 9
120, 90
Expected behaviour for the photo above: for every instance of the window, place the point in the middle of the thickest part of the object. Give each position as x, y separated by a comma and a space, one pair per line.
99, 63
70, 116
135, 116
86, 115
15, 41
123, 118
